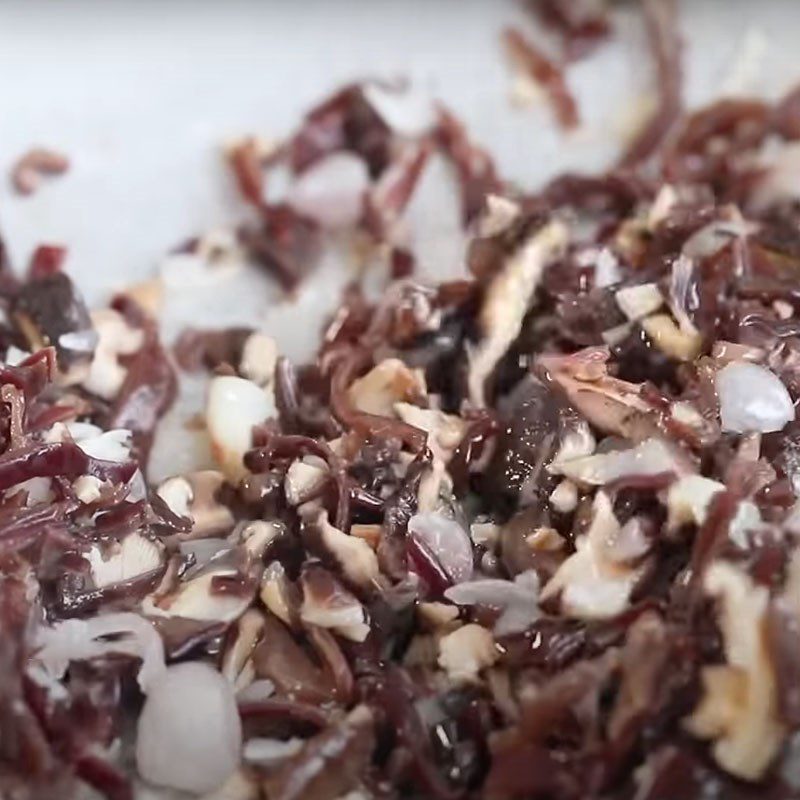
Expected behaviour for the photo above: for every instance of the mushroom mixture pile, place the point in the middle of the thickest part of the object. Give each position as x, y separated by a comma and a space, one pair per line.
533, 534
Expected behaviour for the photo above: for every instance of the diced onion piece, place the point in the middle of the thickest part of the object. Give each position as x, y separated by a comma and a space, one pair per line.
545, 539
683, 293
652, 458
485, 533
517, 600
447, 542
203, 550
189, 733
606, 269
349, 621
37, 489
576, 442
746, 519
277, 595
239, 648
629, 544
686, 414
79, 640
437, 615
610, 404
259, 689
752, 399
133, 556
689, 499
113, 445
234, 406
717, 234
640, 301
258, 534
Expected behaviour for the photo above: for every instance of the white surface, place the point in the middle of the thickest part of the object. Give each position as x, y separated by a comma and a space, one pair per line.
142, 94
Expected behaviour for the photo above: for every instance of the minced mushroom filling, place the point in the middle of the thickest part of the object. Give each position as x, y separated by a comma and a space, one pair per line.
530, 534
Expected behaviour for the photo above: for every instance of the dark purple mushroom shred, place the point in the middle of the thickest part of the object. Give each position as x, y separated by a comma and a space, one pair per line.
580, 25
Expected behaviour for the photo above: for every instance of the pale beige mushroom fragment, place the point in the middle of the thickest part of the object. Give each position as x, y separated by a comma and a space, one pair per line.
327, 603
564, 498
194, 495
195, 597
608, 403
506, 303
259, 357
304, 479
739, 707
355, 558
445, 432
545, 539
466, 651
369, 532
279, 595
671, 339
237, 665
87, 488
500, 215
115, 338
594, 583
651, 458
435, 615
689, 498
387, 383
485, 533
